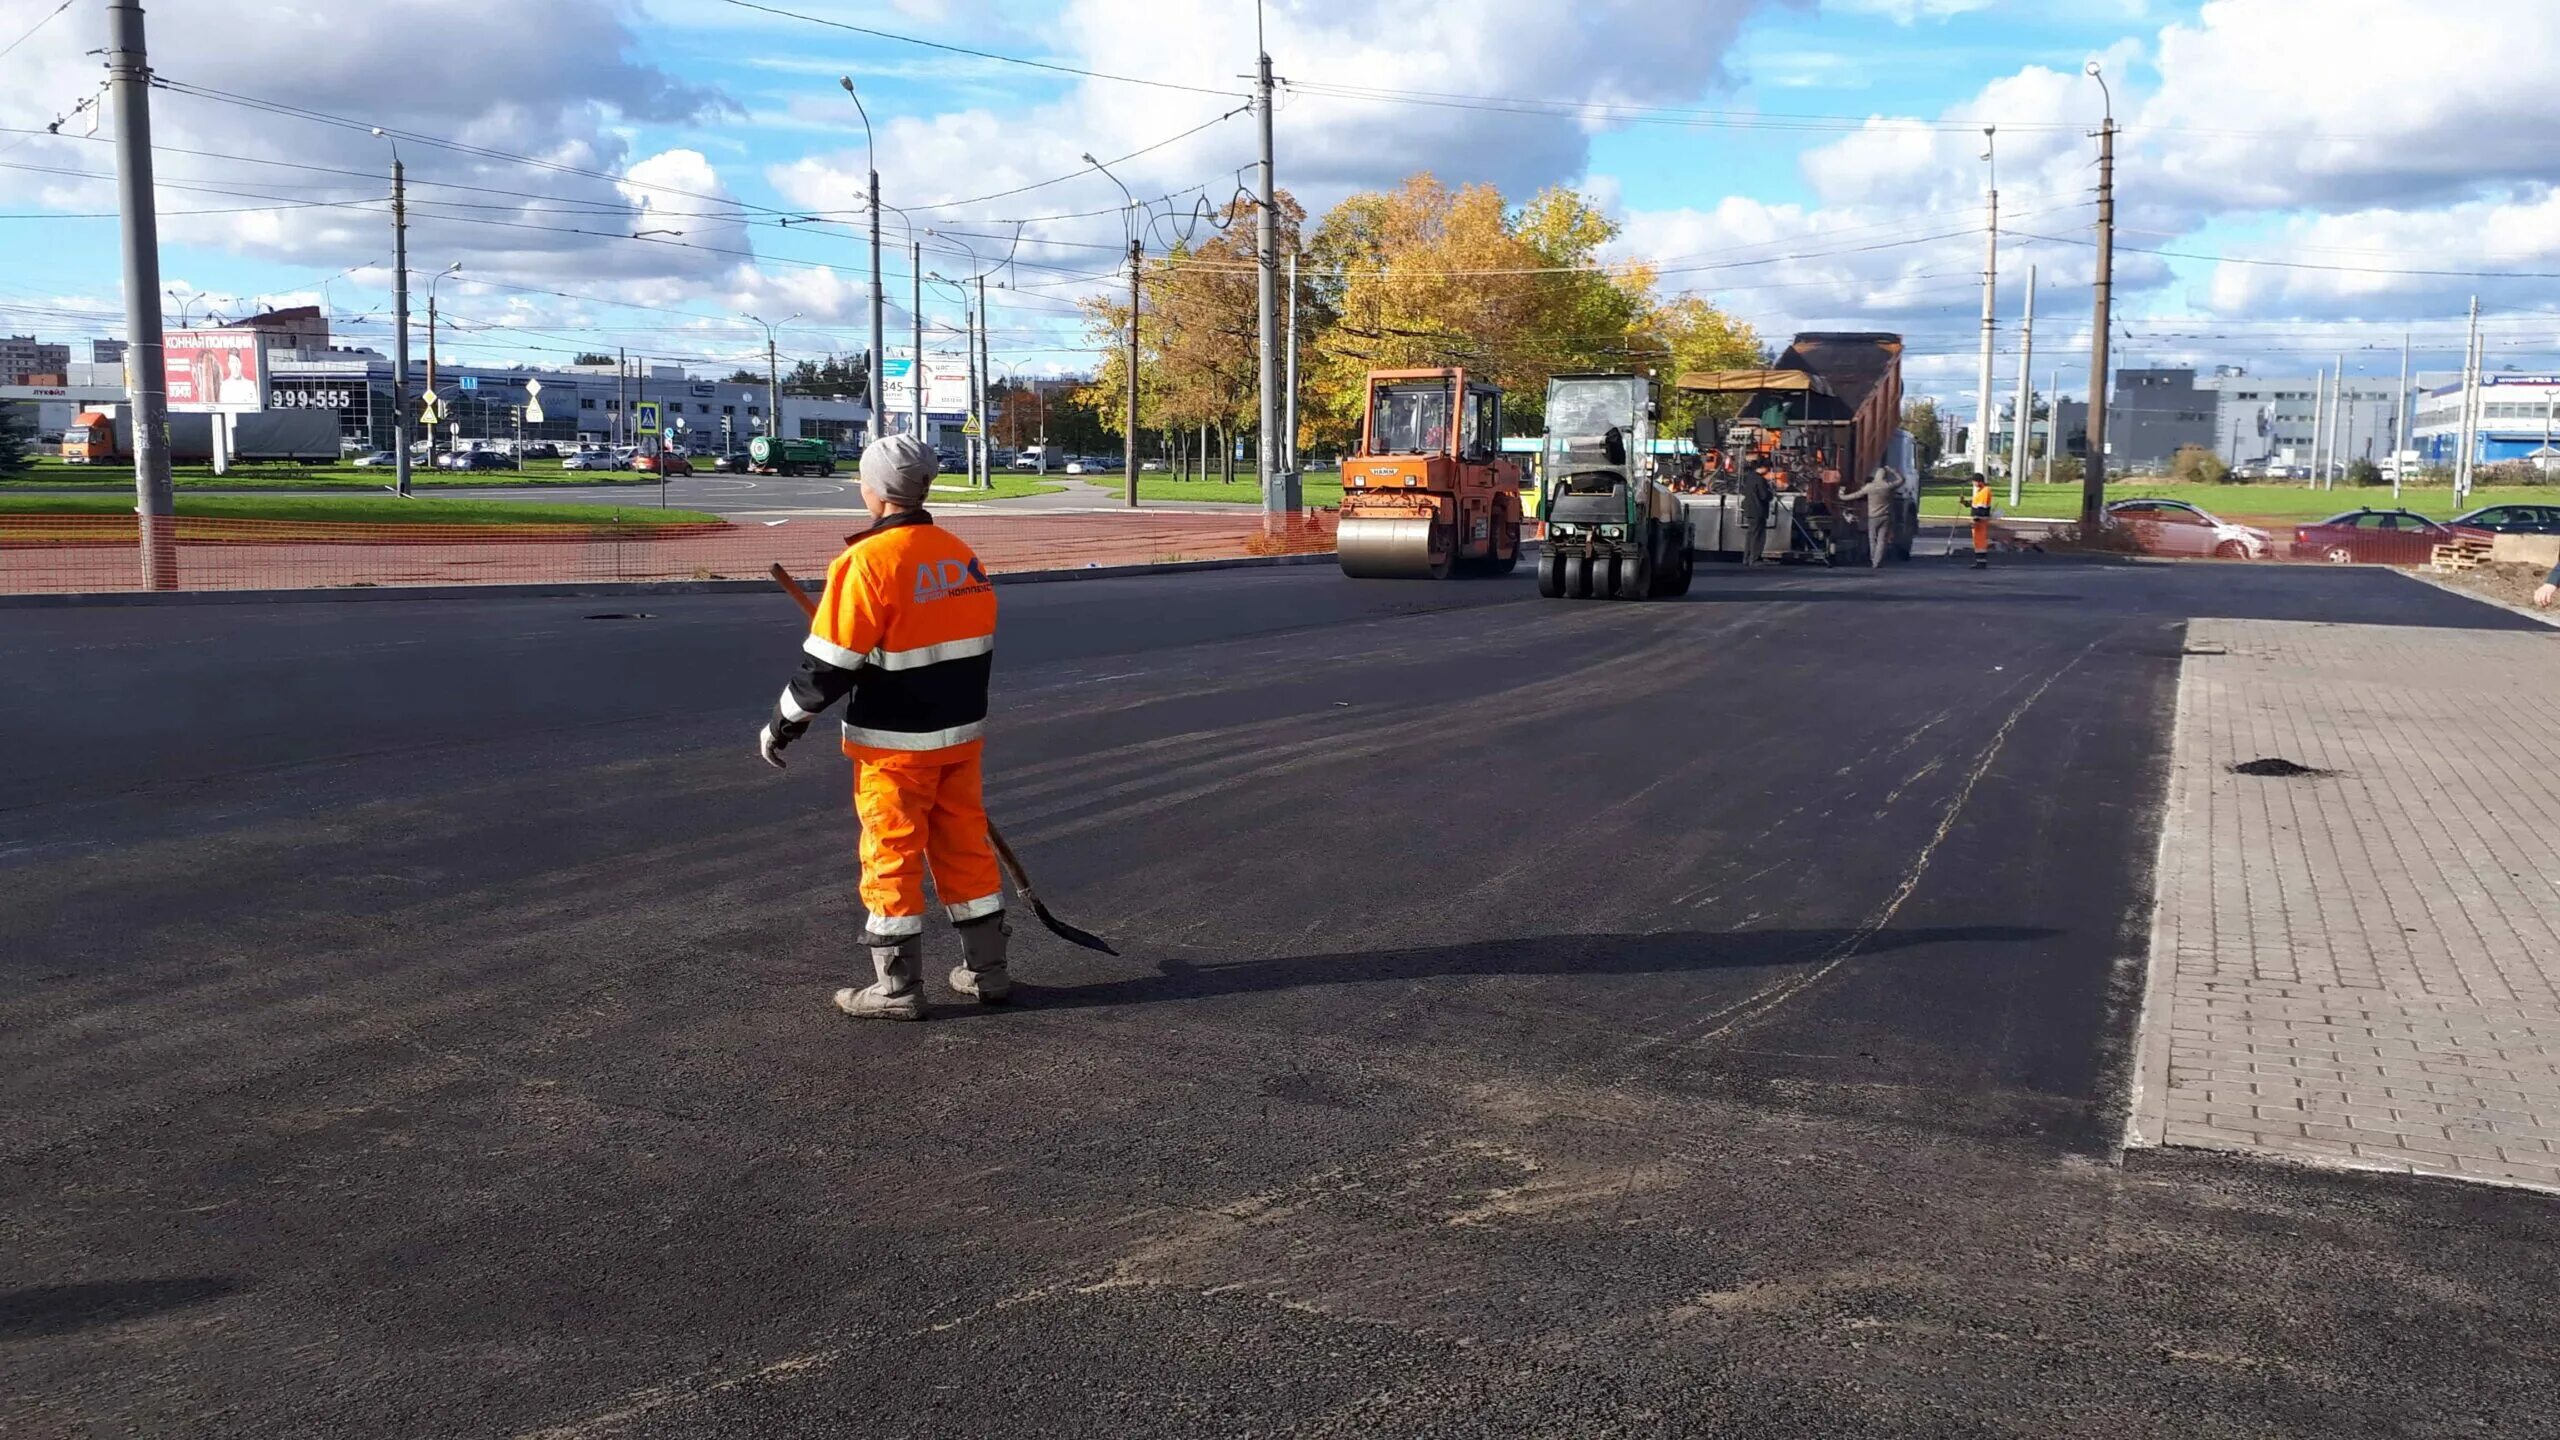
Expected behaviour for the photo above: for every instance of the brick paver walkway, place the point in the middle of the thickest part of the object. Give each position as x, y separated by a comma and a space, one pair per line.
2361, 967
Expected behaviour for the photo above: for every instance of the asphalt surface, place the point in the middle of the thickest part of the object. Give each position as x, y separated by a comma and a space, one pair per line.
1537, 1018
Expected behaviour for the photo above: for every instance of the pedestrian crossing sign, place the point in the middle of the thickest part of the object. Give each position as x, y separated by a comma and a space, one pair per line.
645, 417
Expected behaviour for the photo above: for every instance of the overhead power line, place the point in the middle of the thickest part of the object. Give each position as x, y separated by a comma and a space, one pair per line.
1048, 65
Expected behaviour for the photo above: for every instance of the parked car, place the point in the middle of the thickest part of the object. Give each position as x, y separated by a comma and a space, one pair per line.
1082, 466
543, 450
376, 459
2174, 527
2511, 519
729, 462
586, 460
2377, 537
473, 460
670, 463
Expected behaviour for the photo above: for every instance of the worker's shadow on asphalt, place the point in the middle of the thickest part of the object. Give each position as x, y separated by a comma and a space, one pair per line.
1560, 956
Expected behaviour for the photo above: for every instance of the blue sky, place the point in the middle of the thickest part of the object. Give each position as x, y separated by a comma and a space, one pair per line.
714, 119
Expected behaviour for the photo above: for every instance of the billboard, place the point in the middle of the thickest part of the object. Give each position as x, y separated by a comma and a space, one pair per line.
216, 371
946, 383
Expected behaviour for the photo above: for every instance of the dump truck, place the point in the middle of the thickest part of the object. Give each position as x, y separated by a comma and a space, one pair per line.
1615, 529
1823, 418
1428, 493
775, 455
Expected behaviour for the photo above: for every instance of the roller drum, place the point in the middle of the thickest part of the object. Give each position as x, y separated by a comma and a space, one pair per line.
1387, 549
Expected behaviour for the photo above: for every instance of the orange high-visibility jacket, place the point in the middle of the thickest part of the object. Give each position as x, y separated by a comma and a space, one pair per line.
908, 627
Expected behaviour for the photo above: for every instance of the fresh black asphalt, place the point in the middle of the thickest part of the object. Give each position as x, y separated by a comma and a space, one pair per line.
1537, 1018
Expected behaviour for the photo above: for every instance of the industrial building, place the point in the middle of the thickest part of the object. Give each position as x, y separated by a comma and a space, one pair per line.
26, 360
2518, 419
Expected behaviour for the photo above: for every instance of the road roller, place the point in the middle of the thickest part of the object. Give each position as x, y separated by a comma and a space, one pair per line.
1428, 494
1615, 529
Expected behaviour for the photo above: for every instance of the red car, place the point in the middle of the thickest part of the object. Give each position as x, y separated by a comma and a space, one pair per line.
2378, 537
671, 463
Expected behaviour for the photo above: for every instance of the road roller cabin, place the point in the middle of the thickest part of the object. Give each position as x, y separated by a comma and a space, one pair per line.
1428, 492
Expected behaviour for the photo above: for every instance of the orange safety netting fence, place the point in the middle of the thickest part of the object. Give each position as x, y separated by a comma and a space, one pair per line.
102, 552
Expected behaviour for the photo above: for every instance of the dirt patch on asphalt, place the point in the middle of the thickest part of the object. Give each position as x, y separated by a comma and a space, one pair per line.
2507, 584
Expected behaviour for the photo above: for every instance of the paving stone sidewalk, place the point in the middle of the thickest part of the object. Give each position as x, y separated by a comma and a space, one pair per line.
2361, 967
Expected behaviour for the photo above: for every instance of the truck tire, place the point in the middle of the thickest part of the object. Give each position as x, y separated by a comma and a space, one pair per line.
1550, 574
1505, 556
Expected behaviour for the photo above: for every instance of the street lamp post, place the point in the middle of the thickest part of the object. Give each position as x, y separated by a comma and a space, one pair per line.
871, 160
773, 374
431, 359
2093, 475
1129, 452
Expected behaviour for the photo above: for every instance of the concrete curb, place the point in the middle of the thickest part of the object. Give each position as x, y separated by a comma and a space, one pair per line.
76, 599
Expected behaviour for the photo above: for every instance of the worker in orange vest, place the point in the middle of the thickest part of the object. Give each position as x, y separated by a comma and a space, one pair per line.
1981, 521
907, 628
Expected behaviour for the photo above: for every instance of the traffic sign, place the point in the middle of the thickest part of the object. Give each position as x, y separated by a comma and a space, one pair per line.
969, 427
431, 410
470, 382
645, 417
533, 401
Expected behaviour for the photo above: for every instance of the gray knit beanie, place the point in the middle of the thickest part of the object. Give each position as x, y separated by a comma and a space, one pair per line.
899, 468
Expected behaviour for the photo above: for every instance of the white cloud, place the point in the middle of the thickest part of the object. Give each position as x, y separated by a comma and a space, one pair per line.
1911, 12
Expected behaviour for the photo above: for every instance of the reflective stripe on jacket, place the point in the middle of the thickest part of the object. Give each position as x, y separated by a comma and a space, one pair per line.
908, 626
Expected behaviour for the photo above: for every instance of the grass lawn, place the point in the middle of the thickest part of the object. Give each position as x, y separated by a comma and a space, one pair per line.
2277, 501
367, 509
51, 474
1008, 486
1317, 489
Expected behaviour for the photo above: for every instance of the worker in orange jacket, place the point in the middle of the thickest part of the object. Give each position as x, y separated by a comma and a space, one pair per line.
907, 628
1981, 521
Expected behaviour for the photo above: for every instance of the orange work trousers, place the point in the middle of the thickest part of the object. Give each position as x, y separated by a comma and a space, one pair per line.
1981, 538
924, 810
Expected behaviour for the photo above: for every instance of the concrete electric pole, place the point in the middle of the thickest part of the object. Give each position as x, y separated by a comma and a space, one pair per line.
1280, 492
2319, 421
915, 314
2093, 470
2022, 452
2400, 419
1289, 418
1981, 446
871, 160
399, 319
129, 78
1129, 455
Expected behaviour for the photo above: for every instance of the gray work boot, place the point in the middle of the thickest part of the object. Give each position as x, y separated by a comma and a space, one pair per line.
898, 991
981, 973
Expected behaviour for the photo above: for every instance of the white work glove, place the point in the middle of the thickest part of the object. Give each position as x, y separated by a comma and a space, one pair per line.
769, 745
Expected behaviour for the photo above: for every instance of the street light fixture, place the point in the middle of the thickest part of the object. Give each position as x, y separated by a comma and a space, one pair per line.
871, 160
1129, 440
431, 355
773, 374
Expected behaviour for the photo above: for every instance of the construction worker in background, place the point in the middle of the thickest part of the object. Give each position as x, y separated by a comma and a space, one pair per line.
907, 627
1877, 495
1981, 521
1757, 496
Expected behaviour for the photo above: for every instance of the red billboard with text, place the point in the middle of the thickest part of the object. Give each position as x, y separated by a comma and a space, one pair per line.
216, 371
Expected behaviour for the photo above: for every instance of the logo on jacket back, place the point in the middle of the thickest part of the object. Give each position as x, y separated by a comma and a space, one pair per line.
936, 579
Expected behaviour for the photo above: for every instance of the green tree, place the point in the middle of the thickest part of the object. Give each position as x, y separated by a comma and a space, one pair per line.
2364, 472
17, 432
744, 376
1928, 432
591, 358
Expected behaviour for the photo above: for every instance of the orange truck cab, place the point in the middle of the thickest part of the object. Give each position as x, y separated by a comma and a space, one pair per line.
1428, 491
91, 440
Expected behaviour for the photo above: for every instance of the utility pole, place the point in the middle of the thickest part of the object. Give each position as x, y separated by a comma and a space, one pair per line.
1289, 422
1280, 491
2471, 408
2022, 454
621, 393
986, 476
915, 313
2342, 430
871, 159
772, 387
2400, 420
1129, 456
2053, 423
2319, 422
399, 323
1981, 446
129, 76
2093, 474
435, 411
